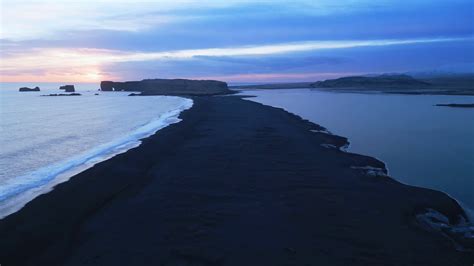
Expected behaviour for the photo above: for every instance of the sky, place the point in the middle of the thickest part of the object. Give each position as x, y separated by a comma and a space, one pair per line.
237, 41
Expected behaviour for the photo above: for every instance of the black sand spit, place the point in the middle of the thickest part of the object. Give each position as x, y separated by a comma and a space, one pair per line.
234, 183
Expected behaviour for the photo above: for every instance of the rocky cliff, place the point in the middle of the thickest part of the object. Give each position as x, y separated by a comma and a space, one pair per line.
169, 87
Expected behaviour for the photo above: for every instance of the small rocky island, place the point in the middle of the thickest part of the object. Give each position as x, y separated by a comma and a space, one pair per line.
67, 88
169, 87
24, 89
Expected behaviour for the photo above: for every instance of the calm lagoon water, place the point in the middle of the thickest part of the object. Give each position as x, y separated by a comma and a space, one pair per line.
45, 140
422, 145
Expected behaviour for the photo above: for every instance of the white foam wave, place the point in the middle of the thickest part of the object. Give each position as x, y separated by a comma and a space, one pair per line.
15, 194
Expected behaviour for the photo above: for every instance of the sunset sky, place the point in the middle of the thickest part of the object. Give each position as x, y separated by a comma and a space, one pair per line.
232, 40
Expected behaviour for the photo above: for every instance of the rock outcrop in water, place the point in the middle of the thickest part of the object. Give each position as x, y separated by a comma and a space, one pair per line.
382, 81
458, 105
63, 94
23, 89
169, 87
67, 88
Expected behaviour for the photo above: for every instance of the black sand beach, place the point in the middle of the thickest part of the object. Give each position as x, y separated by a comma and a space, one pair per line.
234, 183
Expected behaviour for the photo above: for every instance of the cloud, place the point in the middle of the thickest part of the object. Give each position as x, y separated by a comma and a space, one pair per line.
50, 37
52, 57
53, 19
90, 61
33, 19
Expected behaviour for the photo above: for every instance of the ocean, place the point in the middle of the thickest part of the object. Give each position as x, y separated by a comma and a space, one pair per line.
46, 140
422, 145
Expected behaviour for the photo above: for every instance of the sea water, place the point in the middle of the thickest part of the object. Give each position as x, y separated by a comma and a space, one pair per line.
422, 144
46, 140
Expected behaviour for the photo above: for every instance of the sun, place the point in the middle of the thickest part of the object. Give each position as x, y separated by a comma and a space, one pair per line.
93, 76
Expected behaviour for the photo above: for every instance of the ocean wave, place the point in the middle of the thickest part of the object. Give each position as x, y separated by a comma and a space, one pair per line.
14, 194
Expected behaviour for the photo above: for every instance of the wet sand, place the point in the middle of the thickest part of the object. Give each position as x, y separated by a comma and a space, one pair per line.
234, 183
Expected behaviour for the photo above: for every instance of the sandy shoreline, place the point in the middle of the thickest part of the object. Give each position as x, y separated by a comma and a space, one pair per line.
234, 183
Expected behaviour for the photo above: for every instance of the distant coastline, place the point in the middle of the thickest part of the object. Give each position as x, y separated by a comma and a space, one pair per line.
387, 83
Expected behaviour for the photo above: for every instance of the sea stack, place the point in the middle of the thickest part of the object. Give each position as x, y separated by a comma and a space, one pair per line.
67, 88
29, 89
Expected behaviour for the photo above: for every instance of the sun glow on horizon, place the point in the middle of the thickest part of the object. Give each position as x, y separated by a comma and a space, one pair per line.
79, 76
94, 76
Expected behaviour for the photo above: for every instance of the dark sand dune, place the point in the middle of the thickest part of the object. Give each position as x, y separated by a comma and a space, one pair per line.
235, 183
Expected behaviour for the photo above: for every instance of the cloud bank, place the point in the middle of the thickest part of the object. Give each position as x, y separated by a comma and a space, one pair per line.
238, 39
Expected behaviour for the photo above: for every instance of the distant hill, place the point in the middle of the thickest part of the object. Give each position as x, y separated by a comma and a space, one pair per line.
453, 84
382, 81
402, 84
